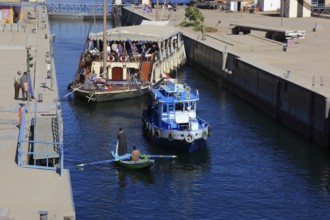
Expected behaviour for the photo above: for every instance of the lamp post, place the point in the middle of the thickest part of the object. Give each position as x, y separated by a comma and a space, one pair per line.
282, 11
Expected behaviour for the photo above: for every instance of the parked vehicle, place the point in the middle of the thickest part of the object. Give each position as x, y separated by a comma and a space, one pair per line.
176, 2
207, 4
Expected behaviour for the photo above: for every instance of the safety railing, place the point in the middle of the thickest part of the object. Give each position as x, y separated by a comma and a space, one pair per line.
27, 156
321, 9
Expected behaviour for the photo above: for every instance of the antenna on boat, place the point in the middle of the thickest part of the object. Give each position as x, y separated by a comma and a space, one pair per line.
157, 5
104, 37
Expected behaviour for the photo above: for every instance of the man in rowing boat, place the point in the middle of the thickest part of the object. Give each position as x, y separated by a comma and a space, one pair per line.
122, 146
135, 154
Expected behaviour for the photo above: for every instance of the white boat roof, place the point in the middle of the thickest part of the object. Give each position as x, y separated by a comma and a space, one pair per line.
146, 32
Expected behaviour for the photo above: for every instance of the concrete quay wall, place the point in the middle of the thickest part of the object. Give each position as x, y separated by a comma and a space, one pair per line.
293, 105
284, 97
26, 193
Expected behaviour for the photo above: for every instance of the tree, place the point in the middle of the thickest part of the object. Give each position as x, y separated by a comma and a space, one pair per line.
193, 14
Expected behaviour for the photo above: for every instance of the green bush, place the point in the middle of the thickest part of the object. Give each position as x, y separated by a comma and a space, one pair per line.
194, 18
193, 14
187, 23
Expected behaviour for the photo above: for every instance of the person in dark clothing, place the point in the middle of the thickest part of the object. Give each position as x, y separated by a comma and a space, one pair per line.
122, 146
154, 48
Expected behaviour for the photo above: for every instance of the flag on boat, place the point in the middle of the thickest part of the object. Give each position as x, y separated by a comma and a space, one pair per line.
167, 75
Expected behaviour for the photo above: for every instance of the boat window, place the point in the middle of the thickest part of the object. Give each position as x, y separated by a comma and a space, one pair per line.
190, 106
164, 108
179, 106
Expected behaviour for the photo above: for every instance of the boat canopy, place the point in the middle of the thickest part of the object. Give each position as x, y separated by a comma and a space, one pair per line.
151, 33
159, 23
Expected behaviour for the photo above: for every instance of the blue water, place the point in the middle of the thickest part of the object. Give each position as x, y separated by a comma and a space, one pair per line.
251, 168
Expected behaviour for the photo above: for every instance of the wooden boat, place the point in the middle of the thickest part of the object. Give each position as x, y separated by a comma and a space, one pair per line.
135, 57
144, 162
171, 120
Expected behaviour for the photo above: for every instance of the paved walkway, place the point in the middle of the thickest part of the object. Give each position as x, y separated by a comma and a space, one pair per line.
307, 60
24, 191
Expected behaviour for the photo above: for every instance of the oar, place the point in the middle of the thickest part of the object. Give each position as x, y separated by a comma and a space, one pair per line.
97, 162
158, 156
75, 89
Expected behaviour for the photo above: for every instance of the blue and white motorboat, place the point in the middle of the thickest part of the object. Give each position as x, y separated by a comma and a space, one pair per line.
171, 120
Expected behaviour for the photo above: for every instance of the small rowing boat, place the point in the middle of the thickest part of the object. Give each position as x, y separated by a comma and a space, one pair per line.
125, 161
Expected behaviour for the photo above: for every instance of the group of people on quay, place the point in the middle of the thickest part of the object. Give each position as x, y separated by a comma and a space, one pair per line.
147, 6
24, 83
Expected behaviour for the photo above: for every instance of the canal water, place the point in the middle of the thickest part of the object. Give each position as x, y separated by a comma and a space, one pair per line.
251, 168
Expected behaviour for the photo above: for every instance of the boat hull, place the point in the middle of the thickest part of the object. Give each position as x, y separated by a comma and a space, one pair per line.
106, 96
178, 145
134, 165
178, 140
143, 163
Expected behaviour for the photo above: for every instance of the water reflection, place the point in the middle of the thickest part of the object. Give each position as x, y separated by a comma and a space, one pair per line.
127, 176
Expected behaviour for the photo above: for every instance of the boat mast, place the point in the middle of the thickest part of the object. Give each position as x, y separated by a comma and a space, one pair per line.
157, 5
104, 73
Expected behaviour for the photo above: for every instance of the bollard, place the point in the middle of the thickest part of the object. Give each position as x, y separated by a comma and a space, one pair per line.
20, 115
40, 97
49, 74
43, 215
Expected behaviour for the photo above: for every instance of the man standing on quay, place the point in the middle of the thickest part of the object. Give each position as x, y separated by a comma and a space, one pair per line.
17, 84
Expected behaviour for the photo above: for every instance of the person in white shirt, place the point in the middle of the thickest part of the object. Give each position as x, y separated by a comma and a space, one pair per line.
17, 82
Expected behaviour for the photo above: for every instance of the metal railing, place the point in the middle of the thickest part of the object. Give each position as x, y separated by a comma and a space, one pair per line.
25, 147
321, 9
76, 8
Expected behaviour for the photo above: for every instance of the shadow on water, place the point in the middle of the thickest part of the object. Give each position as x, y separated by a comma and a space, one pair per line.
127, 176
128, 108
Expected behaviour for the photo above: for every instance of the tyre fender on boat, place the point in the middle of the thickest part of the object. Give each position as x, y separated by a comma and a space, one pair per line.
149, 129
204, 135
144, 123
153, 133
158, 134
170, 136
69, 86
209, 130
189, 137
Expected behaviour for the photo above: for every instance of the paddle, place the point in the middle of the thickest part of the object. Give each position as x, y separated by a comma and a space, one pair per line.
158, 156
75, 89
122, 157
97, 162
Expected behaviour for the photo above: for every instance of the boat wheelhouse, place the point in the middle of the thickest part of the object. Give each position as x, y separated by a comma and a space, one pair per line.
136, 58
171, 121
